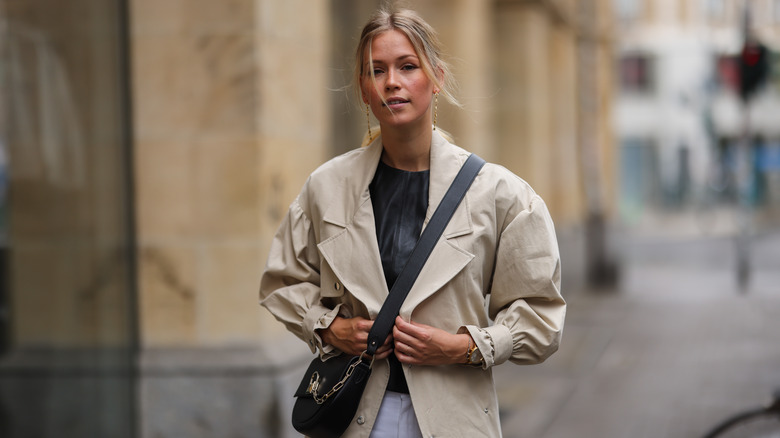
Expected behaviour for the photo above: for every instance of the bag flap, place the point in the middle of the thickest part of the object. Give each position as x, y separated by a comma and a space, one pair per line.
329, 372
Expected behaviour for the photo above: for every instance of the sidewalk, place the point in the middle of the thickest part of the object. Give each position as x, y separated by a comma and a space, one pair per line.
673, 350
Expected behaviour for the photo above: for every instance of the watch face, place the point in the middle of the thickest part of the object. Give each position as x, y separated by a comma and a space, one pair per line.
475, 357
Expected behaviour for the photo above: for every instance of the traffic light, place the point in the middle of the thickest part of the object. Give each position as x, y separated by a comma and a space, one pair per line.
753, 68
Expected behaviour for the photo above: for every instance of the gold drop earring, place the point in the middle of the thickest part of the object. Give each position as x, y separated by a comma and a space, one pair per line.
368, 122
435, 108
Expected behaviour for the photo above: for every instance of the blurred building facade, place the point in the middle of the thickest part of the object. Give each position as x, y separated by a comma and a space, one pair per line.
680, 120
150, 149
67, 312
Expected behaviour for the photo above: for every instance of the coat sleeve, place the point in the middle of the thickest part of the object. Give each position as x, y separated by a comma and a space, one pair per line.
525, 300
290, 285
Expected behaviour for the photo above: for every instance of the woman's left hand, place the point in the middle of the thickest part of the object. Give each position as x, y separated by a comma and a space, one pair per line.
420, 344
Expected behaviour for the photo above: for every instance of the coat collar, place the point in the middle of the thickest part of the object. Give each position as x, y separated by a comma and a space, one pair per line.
446, 161
353, 254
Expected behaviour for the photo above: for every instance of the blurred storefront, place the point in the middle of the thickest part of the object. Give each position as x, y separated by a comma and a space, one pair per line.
688, 141
150, 148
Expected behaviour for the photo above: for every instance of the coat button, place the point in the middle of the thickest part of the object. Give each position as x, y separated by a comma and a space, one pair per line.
337, 286
361, 420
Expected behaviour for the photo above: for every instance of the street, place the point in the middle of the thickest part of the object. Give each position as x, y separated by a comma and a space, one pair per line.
670, 352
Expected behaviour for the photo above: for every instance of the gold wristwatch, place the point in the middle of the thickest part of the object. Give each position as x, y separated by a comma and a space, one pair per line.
474, 356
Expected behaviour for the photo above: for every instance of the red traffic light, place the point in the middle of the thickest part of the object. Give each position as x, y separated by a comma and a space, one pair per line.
753, 68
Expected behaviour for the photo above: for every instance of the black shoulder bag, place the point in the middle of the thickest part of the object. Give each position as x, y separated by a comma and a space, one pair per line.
330, 391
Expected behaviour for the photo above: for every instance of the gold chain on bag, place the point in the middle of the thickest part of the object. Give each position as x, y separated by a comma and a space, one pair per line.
314, 382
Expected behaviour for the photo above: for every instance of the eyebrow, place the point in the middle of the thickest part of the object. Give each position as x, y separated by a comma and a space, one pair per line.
400, 58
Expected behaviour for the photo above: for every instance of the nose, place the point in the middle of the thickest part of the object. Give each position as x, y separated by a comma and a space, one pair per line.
392, 81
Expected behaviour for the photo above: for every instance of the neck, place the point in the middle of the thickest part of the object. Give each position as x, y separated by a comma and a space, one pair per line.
407, 149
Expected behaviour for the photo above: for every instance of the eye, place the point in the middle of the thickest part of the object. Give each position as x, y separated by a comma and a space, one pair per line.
409, 67
378, 71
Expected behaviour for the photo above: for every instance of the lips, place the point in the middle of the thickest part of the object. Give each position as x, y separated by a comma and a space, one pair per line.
394, 101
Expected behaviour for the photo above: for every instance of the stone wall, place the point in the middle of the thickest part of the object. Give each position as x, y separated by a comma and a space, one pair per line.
231, 115
234, 103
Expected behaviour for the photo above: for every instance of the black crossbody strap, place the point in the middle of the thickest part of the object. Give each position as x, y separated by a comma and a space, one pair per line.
403, 284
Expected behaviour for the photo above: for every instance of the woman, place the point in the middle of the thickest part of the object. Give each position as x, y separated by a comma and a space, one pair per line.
489, 292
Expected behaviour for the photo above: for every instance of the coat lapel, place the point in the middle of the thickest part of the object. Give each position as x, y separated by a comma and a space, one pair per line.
447, 259
353, 253
446, 161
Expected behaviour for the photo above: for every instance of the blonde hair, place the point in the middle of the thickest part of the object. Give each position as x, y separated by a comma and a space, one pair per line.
426, 46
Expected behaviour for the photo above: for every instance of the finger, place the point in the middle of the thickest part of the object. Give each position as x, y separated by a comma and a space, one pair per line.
364, 325
399, 322
411, 337
385, 349
400, 336
405, 358
405, 349
413, 329
402, 326
383, 355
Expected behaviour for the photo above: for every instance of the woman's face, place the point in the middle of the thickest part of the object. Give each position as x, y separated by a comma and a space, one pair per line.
400, 80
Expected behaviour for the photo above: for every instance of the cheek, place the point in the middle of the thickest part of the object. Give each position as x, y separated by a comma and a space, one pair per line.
367, 90
422, 86
374, 100
372, 95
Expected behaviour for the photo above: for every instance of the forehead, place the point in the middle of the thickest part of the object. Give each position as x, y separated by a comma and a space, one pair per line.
391, 45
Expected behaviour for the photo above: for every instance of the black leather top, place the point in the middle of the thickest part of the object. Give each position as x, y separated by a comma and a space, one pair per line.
400, 200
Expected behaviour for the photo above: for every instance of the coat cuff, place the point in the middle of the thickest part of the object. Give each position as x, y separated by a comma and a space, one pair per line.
319, 317
494, 342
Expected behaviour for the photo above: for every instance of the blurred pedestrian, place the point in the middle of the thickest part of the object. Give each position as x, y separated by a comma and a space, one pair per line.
490, 291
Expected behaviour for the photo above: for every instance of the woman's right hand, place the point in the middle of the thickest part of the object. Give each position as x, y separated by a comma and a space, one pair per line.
350, 335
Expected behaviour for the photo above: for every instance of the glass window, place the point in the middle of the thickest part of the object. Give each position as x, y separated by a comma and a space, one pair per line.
627, 10
636, 73
776, 10
716, 9
67, 340
728, 73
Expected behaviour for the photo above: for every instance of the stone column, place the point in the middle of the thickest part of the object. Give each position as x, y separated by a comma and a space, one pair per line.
293, 40
597, 144
230, 110
196, 148
472, 38
524, 107
566, 198
464, 27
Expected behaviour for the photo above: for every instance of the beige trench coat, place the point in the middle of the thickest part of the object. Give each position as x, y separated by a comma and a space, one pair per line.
495, 272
